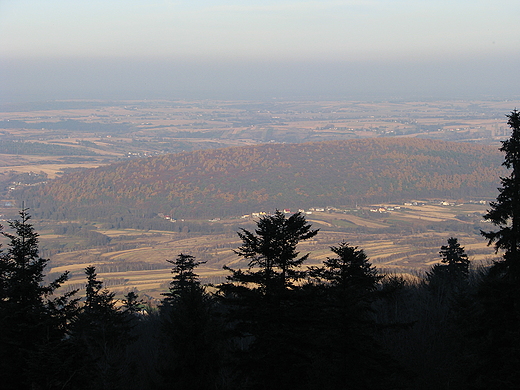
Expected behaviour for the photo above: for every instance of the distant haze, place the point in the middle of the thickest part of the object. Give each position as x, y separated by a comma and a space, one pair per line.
357, 49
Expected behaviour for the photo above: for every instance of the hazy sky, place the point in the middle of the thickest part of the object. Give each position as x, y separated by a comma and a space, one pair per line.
384, 49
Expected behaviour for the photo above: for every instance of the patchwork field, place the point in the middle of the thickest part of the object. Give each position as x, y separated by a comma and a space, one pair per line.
54, 138
405, 240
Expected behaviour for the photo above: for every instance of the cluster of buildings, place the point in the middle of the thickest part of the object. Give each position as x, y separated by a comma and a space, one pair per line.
379, 209
384, 209
285, 211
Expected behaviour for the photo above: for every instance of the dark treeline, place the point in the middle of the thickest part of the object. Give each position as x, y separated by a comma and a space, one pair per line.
41, 149
276, 324
69, 124
119, 217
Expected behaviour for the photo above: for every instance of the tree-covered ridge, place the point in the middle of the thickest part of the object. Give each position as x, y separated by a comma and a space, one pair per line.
41, 149
245, 179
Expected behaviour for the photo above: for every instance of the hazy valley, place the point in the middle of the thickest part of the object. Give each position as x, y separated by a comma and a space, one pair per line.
44, 141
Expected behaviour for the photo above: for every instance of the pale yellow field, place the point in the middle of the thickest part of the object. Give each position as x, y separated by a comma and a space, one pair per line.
393, 253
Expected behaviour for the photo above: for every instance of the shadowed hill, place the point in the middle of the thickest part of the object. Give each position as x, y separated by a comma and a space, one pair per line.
232, 181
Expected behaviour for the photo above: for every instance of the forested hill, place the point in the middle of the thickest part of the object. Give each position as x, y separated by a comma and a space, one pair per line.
232, 181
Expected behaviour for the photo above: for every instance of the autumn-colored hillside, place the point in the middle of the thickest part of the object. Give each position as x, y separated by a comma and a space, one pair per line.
233, 181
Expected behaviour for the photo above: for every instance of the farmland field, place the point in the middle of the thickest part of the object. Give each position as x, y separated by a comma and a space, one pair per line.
405, 241
55, 138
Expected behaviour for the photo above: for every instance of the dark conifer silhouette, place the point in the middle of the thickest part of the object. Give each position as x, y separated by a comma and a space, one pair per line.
132, 304
348, 354
495, 334
33, 318
184, 279
451, 276
505, 212
271, 249
191, 337
264, 304
454, 256
351, 269
101, 332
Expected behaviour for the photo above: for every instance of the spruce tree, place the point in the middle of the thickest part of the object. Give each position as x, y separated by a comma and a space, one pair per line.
347, 354
271, 249
132, 304
33, 318
190, 331
184, 279
102, 332
452, 275
350, 270
505, 212
454, 256
496, 337
265, 304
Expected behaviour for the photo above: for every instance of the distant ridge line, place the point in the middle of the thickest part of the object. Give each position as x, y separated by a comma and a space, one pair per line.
237, 180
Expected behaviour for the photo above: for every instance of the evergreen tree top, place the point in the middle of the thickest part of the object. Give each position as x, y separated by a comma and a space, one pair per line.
511, 146
22, 267
272, 249
184, 278
350, 269
453, 253
505, 212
